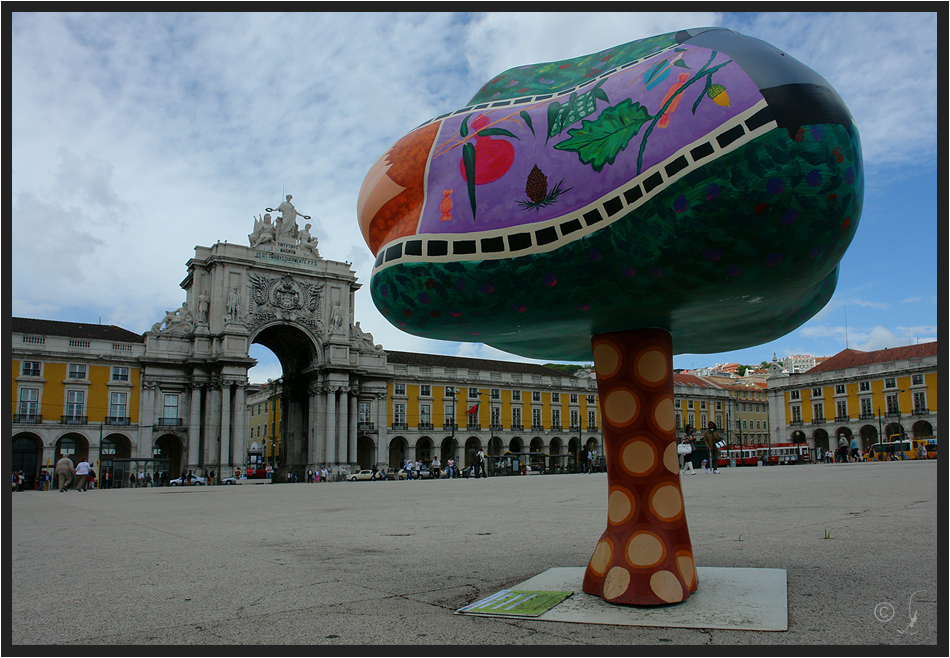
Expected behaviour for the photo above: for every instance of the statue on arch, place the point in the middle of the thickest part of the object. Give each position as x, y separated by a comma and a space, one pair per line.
234, 306
264, 231
287, 222
179, 322
203, 303
307, 243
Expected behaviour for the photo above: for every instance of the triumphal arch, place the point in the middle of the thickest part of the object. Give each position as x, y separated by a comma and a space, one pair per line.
280, 293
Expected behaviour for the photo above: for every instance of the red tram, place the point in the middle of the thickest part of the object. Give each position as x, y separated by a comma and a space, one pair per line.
774, 454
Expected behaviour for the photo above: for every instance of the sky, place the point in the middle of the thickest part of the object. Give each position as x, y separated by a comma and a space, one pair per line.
135, 137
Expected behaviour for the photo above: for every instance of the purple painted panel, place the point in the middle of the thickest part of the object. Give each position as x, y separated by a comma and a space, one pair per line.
668, 84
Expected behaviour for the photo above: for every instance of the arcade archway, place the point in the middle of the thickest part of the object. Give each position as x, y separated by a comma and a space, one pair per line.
27, 452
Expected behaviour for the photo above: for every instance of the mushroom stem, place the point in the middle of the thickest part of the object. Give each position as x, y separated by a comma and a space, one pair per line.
644, 557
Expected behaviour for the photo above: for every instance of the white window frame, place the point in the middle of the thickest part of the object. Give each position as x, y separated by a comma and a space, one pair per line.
75, 400
29, 407
122, 406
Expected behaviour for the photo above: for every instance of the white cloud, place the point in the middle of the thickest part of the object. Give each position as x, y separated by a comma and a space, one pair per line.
884, 66
136, 136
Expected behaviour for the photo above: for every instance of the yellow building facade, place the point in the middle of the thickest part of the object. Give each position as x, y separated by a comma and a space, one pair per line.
439, 406
874, 396
76, 392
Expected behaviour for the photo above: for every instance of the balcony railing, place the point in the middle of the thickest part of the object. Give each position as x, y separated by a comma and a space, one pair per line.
27, 419
170, 422
73, 420
400, 426
449, 426
819, 420
118, 420
474, 426
920, 411
425, 426
366, 426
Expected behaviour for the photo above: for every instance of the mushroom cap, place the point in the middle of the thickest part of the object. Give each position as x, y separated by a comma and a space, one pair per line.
701, 181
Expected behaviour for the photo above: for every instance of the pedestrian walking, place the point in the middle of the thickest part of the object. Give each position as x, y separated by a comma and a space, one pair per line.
685, 451
64, 471
82, 474
712, 441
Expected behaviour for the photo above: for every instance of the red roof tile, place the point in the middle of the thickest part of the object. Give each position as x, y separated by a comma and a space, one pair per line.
854, 358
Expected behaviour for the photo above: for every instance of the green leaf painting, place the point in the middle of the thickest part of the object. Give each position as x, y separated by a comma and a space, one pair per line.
468, 158
598, 142
576, 108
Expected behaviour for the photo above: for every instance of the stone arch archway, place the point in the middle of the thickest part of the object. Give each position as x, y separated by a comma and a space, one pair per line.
922, 428
496, 446
397, 452
169, 448
280, 294
365, 451
868, 434
425, 449
27, 455
73, 445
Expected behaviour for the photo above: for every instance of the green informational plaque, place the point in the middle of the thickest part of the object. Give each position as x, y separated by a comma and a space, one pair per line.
516, 602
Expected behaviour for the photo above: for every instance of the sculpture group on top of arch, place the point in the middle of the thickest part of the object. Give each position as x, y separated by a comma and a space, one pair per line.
284, 230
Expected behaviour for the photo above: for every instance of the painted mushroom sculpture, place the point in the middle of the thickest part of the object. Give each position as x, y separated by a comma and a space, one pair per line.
691, 192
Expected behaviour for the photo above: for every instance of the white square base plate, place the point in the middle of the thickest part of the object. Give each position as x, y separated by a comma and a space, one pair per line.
727, 598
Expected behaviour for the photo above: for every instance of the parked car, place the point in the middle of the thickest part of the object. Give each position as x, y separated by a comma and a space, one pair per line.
195, 480
231, 480
364, 474
422, 474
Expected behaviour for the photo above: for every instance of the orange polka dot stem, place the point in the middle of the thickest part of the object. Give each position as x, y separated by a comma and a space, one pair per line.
644, 557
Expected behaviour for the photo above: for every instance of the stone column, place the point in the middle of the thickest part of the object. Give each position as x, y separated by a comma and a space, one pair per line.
225, 454
194, 424
331, 424
239, 414
317, 445
341, 426
212, 423
354, 410
147, 413
382, 430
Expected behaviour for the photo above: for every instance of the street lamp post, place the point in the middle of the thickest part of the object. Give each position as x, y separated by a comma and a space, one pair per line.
451, 391
897, 402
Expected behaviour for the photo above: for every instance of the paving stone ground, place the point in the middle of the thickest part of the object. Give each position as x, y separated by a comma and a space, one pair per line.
388, 563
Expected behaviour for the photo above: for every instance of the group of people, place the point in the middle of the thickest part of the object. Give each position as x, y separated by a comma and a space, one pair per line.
317, 475
83, 472
20, 482
711, 440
